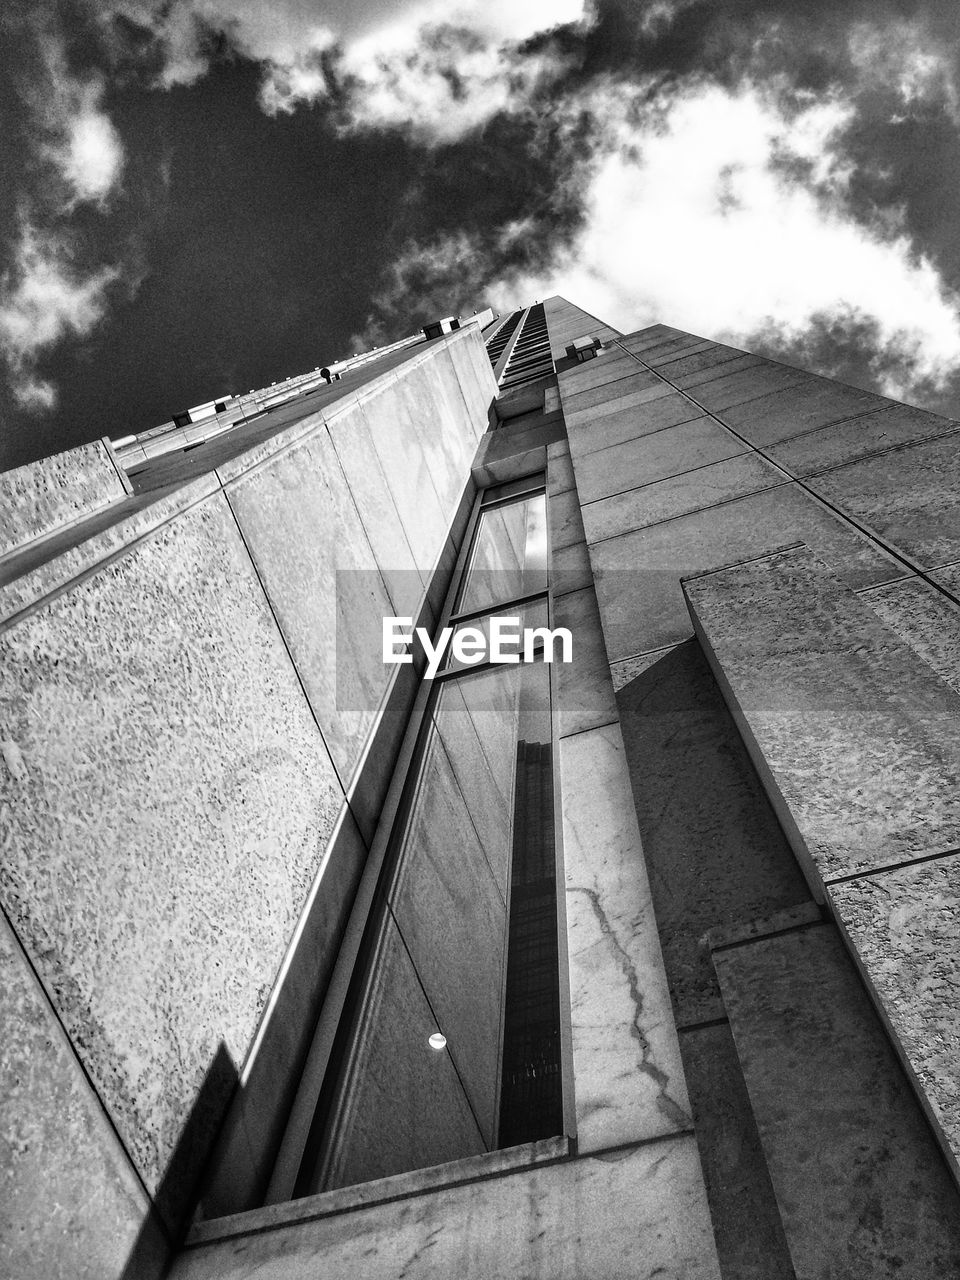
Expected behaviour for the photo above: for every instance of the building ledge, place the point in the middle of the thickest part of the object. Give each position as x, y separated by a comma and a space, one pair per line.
400, 1186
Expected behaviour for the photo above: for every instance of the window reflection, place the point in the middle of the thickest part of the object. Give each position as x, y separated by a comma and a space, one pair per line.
529, 615
509, 555
463, 938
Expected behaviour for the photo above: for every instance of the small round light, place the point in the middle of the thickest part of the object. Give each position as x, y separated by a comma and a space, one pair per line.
438, 1041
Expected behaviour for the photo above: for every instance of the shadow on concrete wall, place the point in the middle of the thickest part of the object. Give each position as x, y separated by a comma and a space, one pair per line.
164, 1229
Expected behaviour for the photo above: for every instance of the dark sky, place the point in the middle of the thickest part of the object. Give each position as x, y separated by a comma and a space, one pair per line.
202, 196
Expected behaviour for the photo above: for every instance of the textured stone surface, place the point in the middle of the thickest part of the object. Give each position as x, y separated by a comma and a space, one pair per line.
628, 417
570, 569
583, 694
608, 366
638, 1213
653, 335
627, 669
397, 560
632, 380
247, 1145
905, 924
397, 1186
46, 566
745, 385
564, 520
403, 459
911, 497
71, 1206
926, 619
860, 738
422, 414
701, 370
44, 495
862, 1188
678, 495
846, 441
751, 1244
660, 348
948, 577
714, 849
626, 1061
684, 361
638, 574
301, 527
168, 798
806, 403
559, 471
648, 458
478, 386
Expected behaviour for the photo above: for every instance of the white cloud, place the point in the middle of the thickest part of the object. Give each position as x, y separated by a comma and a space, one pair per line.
438, 70
78, 137
693, 221
89, 154
442, 92
43, 294
42, 300
442, 70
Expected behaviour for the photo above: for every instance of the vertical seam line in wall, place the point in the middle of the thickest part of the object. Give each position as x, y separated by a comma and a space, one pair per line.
448, 348
89, 1079
842, 515
393, 504
286, 646
125, 481
356, 507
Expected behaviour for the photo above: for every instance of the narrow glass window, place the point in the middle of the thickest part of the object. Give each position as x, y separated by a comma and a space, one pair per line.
450, 1046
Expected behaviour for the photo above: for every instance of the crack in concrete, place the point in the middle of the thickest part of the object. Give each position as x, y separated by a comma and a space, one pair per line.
667, 1105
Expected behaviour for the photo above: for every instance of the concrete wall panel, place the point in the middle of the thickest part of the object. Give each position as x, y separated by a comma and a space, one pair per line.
695, 489
649, 458
72, 1206
903, 925
910, 497
860, 738
638, 574
842, 442
168, 799
638, 1212
861, 1188
629, 1082
46, 495
301, 526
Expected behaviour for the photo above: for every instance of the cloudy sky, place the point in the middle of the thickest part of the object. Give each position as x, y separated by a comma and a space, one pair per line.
198, 197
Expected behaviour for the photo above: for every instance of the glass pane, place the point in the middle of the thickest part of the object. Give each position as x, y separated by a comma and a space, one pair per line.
529, 615
477, 838
398, 1104
511, 488
509, 557
463, 939
530, 1099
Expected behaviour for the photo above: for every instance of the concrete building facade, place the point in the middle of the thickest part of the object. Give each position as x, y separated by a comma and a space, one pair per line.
683, 911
